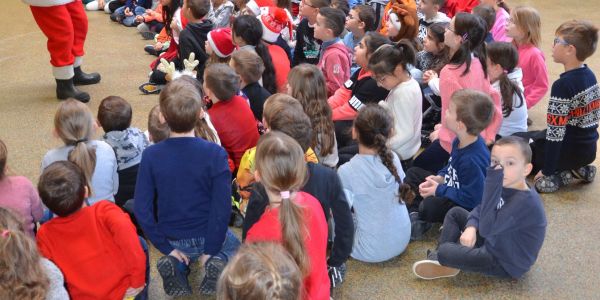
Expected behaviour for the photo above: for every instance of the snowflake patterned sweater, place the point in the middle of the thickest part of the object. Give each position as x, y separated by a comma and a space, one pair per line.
573, 114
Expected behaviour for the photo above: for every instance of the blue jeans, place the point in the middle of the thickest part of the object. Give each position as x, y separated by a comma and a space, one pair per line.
129, 21
194, 248
143, 295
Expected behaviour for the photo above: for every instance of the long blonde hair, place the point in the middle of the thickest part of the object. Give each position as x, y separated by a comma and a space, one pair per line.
308, 86
281, 168
528, 20
74, 124
21, 273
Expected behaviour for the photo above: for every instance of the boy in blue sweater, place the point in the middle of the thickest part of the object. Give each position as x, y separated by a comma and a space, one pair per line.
183, 196
460, 183
502, 236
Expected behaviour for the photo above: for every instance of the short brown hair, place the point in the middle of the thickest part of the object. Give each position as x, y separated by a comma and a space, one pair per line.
334, 19
3, 159
366, 14
62, 187
285, 114
222, 81
180, 104
583, 35
518, 142
158, 131
248, 65
487, 13
475, 109
114, 114
199, 8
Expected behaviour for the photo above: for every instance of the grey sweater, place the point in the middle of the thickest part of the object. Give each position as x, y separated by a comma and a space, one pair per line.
56, 290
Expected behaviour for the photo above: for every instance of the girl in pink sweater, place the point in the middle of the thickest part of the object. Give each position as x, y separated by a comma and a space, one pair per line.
18, 194
498, 31
465, 70
524, 28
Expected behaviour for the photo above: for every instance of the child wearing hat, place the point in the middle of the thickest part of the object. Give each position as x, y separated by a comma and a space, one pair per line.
219, 46
274, 20
402, 21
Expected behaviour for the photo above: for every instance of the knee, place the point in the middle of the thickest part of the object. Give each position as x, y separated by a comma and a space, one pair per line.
445, 253
456, 213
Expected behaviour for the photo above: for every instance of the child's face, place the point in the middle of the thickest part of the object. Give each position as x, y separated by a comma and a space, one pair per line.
431, 45
428, 8
208, 48
513, 31
392, 32
389, 81
360, 54
165, 2
187, 12
493, 70
512, 161
451, 39
321, 32
307, 9
451, 120
353, 22
561, 50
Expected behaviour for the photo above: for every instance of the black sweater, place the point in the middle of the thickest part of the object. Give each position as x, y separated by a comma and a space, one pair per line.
256, 95
307, 47
323, 184
192, 39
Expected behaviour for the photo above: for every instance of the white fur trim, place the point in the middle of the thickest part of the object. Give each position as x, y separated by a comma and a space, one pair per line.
78, 61
47, 3
269, 35
63, 73
214, 46
253, 7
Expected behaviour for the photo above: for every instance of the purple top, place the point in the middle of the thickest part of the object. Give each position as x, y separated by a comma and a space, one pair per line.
18, 194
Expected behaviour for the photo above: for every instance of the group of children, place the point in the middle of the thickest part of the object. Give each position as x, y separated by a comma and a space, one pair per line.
347, 145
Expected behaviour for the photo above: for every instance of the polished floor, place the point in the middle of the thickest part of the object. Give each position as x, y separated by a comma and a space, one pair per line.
568, 264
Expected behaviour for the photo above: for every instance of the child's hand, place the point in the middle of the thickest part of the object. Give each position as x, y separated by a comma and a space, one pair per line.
180, 256
132, 292
428, 75
101, 3
139, 18
128, 12
437, 126
434, 135
158, 46
469, 237
437, 178
148, 11
428, 187
538, 175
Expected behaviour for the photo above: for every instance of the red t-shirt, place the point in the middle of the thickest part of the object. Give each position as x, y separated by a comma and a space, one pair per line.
97, 249
268, 228
235, 124
281, 64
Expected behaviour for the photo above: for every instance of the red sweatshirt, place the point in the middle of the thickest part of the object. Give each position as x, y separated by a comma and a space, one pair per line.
235, 124
281, 64
335, 64
97, 249
268, 228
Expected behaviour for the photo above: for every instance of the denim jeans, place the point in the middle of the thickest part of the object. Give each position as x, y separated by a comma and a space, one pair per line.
194, 248
143, 295
130, 21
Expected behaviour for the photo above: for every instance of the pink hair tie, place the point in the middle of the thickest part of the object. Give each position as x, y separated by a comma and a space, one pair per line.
285, 194
5, 233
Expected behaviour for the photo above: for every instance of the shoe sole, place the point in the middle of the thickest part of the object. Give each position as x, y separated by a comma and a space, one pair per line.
431, 269
171, 284
148, 92
213, 270
546, 189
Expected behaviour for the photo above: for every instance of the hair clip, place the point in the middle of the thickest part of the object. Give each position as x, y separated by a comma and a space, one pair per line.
285, 194
465, 36
5, 233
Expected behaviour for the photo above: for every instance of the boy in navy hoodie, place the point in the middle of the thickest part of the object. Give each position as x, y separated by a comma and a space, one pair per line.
502, 236
183, 195
460, 183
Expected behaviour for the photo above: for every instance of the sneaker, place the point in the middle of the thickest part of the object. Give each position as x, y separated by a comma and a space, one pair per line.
150, 50
418, 227
547, 184
587, 173
432, 254
431, 269
175, 282
148, 35
150, 88
336, 275
566, 177
213, 268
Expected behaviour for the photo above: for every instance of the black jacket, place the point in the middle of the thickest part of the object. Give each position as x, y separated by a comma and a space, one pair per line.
192, 39
256, 95
307, 47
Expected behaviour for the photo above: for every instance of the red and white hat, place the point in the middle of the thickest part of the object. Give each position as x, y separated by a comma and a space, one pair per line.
220, 41
255, 5
274, 20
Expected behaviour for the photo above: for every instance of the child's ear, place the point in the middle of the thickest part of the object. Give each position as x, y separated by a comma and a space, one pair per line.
528, 168
161, 118
201, 114
256, 176
86, 193
354, 133
361, 25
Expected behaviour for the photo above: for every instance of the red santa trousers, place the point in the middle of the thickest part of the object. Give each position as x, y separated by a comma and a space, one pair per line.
66, 27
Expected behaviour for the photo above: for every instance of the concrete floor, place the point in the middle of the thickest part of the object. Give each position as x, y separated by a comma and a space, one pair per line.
568, 263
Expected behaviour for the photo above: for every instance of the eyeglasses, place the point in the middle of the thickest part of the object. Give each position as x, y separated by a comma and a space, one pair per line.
303, 2
558, 40
451, 30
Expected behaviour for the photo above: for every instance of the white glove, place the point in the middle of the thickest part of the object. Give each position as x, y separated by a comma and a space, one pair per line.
167, 68
190, 65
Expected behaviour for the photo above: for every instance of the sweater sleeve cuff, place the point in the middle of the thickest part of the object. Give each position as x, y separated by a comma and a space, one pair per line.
472, 222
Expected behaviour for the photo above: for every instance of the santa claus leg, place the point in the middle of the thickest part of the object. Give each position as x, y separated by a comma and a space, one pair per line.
80, 26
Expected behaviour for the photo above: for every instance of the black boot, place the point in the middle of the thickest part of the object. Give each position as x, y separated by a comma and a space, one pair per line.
65, 89
82, 78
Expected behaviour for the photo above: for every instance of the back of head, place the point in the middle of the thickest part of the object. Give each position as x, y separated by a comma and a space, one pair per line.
3, 159
385, 59
74, 125
527, 19
248, 28
114, 114
487, 13
334, 19
180, 104
474, 108
583, 35
284, 113
366, 14
506, 55
373, 40
518, 142
62, 188
282, 170
21, 274
248, 65
158, 131
342, 5
222, 81
199, 8
472, 29
260, 271
321, 3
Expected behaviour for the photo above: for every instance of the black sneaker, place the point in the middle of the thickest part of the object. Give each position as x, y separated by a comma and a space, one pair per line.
587, 173
213, 268
548, 184
175, 283
336, 275
148, 35
418, 227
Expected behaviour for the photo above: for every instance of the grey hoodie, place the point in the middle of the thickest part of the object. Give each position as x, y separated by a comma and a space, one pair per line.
382, 223
128, 146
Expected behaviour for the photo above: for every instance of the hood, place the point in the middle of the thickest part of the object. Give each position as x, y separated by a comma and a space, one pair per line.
338, 47
200, 30
128, 145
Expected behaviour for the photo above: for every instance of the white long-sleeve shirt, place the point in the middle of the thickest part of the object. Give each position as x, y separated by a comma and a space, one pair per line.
405, 103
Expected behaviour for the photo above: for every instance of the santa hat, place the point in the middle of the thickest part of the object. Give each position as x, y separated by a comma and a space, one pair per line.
255, 5
274, 20
220, 41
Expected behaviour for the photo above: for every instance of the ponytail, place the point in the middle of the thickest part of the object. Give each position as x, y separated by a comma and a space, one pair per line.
268, 75
472, 29
508, 89
293, 231
202, 130
387, 57
507, 56
387, 158
84, 156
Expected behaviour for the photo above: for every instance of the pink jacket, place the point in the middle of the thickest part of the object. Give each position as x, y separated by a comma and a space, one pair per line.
451, 81
335, 65
535, 74
499, 29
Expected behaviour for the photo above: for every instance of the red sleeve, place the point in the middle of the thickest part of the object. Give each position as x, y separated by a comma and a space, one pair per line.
42, 244
333, 69
124, 234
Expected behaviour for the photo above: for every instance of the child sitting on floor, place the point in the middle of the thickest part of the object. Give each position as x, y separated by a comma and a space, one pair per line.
96, 247
250, 67
503, 235
460, 183
128, 143
219, 46
220, 13
499, 29
431, 15
359, 21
